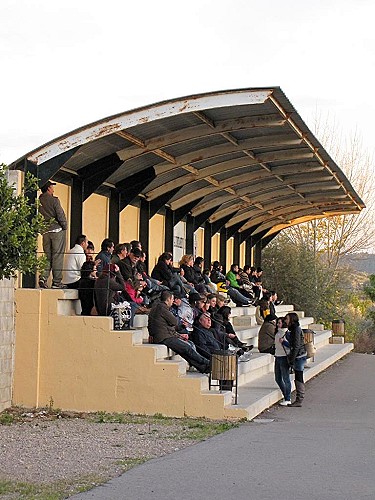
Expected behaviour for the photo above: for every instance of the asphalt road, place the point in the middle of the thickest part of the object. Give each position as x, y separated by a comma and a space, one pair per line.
324, 450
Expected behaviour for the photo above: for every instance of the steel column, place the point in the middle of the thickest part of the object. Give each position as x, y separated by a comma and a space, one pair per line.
168, 230
144, 227
114, 216
76, 205
236, 249
207, 243
189, 232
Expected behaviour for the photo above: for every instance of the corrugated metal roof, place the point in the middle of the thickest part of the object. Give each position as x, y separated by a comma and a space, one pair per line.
245, 153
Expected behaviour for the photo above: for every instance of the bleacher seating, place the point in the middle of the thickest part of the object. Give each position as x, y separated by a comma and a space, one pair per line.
257, 389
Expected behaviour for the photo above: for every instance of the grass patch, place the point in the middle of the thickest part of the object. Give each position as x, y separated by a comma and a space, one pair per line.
6, 418
53, 491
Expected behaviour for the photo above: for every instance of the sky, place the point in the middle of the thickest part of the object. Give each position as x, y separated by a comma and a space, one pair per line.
68, 63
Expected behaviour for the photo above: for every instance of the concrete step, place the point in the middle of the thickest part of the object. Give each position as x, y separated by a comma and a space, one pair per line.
140, 320
258, 395
306, 321
283, 309
243, 311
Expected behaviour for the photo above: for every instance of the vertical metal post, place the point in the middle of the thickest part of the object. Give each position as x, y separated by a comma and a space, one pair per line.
144, 227
76, 205
114, 216
169, 230
207, 243
189, 234
236, 248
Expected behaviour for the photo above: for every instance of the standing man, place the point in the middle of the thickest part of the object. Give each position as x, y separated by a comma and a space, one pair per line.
54, 237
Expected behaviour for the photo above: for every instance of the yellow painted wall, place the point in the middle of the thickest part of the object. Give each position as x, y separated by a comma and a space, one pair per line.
129, 224
199, 235
95, 219
230, 244
80, 364
156, 243
215, 247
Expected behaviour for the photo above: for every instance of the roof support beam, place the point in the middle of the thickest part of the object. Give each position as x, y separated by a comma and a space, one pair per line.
158, 203
133, 185
233, 229
50, 168
198, 221
218, 224
182, 212
94, 174
265, 241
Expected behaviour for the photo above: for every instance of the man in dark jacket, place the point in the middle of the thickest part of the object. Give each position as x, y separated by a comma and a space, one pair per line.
129, 264
54, 237
203, 337
162, 328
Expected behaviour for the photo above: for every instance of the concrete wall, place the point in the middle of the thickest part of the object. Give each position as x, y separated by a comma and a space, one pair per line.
7, 340
7, 326
80, 364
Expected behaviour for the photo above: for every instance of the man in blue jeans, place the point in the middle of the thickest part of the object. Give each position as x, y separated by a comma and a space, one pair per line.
162, 329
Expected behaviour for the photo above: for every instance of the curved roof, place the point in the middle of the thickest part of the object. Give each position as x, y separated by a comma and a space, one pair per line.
242, 157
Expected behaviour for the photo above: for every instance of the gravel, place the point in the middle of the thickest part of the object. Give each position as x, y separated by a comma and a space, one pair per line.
78, 451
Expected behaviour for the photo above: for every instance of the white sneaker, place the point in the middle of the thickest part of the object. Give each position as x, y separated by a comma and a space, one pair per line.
245, 357
285, 403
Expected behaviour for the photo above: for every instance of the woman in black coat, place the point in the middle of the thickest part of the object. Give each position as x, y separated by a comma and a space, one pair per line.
297, 356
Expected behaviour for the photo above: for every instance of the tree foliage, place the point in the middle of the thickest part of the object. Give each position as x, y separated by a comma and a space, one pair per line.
334, 237
20, 224
369, 288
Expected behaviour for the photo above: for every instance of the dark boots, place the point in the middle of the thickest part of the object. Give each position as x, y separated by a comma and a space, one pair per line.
300, 394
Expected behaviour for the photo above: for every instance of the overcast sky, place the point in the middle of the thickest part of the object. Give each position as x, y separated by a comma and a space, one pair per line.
67, 63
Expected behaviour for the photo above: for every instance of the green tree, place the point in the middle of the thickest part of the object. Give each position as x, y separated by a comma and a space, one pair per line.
369, 288
20, 224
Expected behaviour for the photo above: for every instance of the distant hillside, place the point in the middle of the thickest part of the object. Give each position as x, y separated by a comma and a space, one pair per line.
363, 262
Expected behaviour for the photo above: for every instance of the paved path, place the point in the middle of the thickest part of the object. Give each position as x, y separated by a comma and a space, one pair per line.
323, 451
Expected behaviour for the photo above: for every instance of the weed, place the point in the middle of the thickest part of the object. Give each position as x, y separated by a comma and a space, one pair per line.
6, 418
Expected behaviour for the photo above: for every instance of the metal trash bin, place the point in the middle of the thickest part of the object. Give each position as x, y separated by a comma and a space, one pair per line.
338, 327
224, 367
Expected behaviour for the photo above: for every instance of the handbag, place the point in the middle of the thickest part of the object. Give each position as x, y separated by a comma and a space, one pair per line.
121, 314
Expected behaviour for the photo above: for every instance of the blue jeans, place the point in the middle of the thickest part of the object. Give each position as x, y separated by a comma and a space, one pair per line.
237, 296
299, 364
282, 376
185, 350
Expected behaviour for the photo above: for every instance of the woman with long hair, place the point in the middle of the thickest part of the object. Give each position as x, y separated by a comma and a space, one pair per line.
282, 376
297, 356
